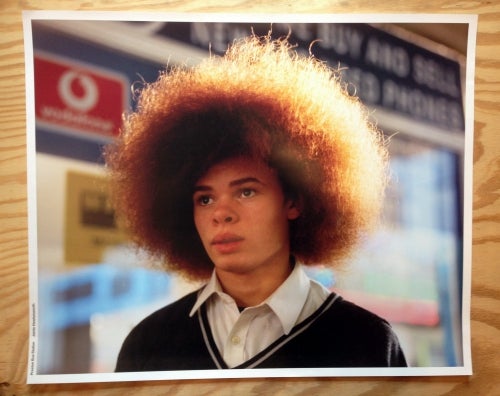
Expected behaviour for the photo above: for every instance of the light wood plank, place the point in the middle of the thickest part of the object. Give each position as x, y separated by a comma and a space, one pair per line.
14, 310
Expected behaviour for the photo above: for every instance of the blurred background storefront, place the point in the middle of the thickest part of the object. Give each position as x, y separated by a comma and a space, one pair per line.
93, 287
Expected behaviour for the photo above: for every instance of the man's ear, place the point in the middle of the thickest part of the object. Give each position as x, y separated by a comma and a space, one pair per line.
294, 208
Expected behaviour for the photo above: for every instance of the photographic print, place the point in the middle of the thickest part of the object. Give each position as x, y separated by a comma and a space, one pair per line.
227, 196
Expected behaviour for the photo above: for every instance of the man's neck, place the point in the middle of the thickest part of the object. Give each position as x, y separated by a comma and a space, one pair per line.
250, 289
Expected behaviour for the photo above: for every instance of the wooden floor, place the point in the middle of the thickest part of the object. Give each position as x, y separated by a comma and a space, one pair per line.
485, 310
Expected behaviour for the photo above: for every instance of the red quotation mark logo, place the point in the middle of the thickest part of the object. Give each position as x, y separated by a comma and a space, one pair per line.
78, 91
78, 98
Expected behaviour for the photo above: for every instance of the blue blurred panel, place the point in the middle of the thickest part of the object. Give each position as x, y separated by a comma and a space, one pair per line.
427, 186
71, 299
66, 145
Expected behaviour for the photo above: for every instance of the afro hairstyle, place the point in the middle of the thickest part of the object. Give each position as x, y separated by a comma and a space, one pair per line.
263, 100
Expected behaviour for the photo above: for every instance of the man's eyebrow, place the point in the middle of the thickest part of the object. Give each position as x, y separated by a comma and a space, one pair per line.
243, 180
201, 188
233, 183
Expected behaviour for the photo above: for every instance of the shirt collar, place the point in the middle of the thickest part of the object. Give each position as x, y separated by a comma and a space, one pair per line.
212, 287
286, 302
289, 299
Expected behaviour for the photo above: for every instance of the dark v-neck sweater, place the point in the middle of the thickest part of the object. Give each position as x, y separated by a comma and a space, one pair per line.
338, 334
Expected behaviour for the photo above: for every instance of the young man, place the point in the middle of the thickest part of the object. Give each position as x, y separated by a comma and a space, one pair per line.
241, 171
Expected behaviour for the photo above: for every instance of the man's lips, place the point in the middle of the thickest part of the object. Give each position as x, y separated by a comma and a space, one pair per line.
226, 238
226, 243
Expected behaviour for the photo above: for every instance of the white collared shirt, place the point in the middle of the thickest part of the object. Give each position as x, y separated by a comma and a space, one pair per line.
240, 336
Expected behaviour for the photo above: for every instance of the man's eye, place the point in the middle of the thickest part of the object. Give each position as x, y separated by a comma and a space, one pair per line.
204, 200
247, 193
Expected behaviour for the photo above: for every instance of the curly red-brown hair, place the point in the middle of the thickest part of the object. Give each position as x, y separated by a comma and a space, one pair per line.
261, 100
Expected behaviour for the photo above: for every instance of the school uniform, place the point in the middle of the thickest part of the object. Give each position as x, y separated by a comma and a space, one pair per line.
301, 325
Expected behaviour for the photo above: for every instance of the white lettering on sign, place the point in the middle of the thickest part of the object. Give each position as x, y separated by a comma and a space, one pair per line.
344, 40
216, 35
84, 120
80, 101
420, 105
393, 59
300, 30
430, 73
366, 84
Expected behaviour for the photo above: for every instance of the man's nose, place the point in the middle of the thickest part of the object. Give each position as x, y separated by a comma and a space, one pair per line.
225, 213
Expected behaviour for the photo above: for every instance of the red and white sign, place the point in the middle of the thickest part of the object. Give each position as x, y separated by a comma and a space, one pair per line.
77, 97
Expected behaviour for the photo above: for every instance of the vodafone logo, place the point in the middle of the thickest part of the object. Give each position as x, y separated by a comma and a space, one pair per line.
78, 91
77, 97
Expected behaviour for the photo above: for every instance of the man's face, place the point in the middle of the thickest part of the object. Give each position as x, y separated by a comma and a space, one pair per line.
242, 217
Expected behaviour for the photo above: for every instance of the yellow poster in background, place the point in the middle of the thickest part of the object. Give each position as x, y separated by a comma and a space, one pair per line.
91, 227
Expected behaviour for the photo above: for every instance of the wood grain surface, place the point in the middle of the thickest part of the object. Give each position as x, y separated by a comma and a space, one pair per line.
485, 311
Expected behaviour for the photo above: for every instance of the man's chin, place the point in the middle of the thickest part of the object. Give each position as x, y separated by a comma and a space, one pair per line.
232, 267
